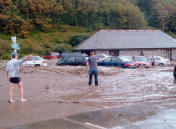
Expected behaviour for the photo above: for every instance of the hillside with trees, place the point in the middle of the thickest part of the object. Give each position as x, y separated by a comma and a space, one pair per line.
59, 25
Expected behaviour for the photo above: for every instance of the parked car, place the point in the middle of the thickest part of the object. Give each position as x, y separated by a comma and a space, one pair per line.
128, 57
101, 57
141, 61
35, 61
117, 61
160, 60
85, 55
74, 59
52, 55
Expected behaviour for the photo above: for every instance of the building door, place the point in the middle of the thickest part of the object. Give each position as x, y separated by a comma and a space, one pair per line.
114, 52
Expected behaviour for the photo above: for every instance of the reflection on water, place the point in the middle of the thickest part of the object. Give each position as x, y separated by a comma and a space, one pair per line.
163, 120
174, 80
16, 107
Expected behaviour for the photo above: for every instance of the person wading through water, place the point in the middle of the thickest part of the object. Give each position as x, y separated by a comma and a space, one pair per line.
174, 73
92, 68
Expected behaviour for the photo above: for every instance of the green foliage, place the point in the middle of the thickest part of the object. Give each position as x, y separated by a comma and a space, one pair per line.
44, 25
160, 14
75, 40
27, 46
62, 48
5, 49
21, 17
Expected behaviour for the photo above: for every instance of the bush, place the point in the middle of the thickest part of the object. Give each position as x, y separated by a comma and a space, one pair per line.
5, 50
75, 40
62, 48
27, 47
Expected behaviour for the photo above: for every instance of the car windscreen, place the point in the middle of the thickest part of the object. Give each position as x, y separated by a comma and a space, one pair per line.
129, 57
68, 59
140, 59
115, 59
34, 58
55, 54
158, 58
107, 59
124, 59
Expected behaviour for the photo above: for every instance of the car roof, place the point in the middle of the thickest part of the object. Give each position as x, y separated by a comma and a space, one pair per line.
37, 57
71, 54
139, 56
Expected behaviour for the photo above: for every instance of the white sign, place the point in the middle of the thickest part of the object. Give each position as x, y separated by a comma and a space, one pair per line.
14, 45
14, 39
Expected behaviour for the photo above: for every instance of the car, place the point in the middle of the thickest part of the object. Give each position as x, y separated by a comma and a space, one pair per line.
117, 61
160, 60
101, 57
74, 59
35, 61
128, 57
141, 61
85, 55
52, 55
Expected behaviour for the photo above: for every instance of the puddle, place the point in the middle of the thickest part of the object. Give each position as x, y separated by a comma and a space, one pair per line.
163, 120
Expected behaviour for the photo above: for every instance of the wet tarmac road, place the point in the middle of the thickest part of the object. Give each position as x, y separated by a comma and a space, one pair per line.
131, 117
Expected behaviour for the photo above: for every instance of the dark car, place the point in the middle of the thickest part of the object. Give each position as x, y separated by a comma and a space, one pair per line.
52, 55
72, 59
117, 61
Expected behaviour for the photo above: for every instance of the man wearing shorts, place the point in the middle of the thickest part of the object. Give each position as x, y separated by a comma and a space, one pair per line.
92, 63
13, 75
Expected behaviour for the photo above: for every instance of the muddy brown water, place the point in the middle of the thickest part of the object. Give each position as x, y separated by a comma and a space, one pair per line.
68, 85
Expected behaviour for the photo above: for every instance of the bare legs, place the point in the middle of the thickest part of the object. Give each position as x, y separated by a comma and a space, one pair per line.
11, 93
21, 92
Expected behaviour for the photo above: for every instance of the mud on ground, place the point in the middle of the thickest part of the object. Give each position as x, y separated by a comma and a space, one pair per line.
68, 84
117, 86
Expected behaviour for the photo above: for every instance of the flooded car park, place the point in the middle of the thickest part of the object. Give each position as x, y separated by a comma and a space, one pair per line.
125, 98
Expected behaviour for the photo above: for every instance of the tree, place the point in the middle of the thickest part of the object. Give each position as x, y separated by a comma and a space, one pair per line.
5, 49
75, 40
62, 48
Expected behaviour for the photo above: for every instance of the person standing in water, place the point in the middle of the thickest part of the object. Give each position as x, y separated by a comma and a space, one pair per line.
153, 61
174, 73
92, 68
13, 75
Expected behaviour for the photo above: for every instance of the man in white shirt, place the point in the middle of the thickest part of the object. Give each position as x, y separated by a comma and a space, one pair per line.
13, 75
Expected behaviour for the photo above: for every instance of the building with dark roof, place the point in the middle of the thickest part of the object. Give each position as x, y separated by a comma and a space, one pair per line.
131, 43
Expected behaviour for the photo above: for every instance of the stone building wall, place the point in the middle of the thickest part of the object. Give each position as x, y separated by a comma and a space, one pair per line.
173, 54
102, 52
166, 53
130, 52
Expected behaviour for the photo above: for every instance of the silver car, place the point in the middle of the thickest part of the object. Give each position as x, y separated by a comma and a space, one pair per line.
35, 61
160, 61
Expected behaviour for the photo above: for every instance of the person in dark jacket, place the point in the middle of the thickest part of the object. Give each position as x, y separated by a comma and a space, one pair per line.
174, 73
